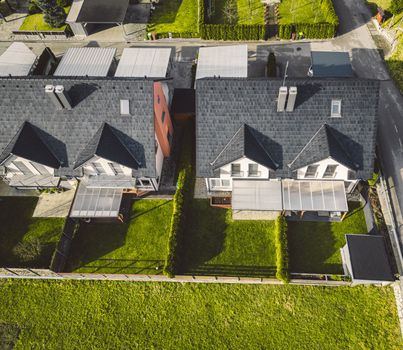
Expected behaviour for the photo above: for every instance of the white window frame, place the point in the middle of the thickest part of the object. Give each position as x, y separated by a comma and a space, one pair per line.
253, 174
116, 168
96, 166
222, 186
335, 103
316, 171
333, 175
140, 181
239, 174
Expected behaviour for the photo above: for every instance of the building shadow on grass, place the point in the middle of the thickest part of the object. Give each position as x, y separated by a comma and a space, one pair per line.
232, 270
166, 12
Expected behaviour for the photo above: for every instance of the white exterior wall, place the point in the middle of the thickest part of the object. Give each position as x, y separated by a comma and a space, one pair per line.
10, 165
341, 171
159, 159
165, 90
89, 170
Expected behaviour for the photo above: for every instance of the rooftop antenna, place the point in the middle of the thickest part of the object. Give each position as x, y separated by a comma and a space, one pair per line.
285, 73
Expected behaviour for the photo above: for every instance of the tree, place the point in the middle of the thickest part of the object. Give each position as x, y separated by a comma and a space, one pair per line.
230, 12
396, 6
53, 14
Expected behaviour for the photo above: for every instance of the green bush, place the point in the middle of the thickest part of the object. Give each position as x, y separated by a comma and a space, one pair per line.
232, 32
27, 251
33, 8
396, 6
281, 242
64, 3
374, 180
271, 65
181, 202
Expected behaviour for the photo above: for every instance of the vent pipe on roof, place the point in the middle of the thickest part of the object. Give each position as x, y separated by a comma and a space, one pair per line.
282, 97
292, 96
63, 96
50, 91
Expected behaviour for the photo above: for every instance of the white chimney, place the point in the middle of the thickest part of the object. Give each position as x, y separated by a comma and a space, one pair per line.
292, 96
282, 97
50, 91
63, 96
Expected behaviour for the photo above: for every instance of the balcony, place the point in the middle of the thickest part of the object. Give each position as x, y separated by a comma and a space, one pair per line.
254, 173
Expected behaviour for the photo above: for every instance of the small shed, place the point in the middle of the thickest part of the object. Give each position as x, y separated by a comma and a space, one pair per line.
84, 12
140, 62
330, 64
86, 61
223, 61
17, 60
365, 259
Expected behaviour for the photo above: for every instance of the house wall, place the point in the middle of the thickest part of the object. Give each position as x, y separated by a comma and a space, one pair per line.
89, 169
162, 127
12, 168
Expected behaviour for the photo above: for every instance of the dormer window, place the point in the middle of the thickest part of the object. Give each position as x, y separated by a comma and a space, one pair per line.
336, 108
311, 171
330, 171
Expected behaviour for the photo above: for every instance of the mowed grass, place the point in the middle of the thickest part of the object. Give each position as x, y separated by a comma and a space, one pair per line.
175, 16
249, 12
314, 247
217, 245
36, 22
136, 247
17, 225
127, 315
301, 11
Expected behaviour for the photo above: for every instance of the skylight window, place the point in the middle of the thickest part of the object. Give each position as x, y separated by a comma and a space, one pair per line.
336, 108
124, 107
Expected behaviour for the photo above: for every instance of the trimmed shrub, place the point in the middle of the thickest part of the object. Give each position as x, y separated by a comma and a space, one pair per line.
281, 242
271, 65
181, 203
232, 32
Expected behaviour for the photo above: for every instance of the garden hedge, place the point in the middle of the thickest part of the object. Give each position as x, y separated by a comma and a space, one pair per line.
232, 32
181, 202
313, 30
281, 243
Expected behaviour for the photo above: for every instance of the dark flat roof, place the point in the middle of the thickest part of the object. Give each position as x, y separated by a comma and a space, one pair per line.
331, 64
369, 259
103, 11
184, 101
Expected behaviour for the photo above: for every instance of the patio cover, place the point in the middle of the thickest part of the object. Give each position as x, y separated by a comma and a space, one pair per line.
34, 181
144, 62
97, 11
17, 60
314, 195
96, 202
86, 61
223, 61
256, 195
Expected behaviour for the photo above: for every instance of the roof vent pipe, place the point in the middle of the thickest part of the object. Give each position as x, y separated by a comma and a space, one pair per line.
63, 96
292, 96
282, 97
50, 91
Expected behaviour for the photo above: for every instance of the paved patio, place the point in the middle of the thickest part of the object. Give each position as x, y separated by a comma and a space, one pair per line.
55, 205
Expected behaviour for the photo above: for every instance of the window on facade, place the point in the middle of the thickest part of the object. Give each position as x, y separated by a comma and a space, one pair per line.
163, 116
330, 171
235, 169
252, 170
116, 168
40, 168
336, 108
214, 183
158, 99
22, 167
311, 171
225, 182
99, 169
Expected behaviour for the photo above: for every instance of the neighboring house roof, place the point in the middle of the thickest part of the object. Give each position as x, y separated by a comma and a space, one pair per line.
144, 62
68, 132
369, 258
244, 144
97, 11
224, 105
331, 64
30, 143
222, 61
107, 144
86, 61
17, 60
321, 146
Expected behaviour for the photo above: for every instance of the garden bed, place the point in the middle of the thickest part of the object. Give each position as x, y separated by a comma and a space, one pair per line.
314, 247
136, 247
216, 245
26, 241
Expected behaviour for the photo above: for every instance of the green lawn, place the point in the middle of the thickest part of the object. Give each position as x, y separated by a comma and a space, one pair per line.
18, 225
35, 22
126, 315
175, 16
217, 245
301, 11
314, 247
247, 14
138, 247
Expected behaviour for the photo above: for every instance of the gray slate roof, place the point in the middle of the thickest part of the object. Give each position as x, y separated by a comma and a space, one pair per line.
224, 105
69, 133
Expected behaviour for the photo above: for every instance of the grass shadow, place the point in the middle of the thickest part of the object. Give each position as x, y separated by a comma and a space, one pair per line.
166, 11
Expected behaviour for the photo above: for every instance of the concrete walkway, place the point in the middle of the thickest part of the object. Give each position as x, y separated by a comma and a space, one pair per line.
55, 205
